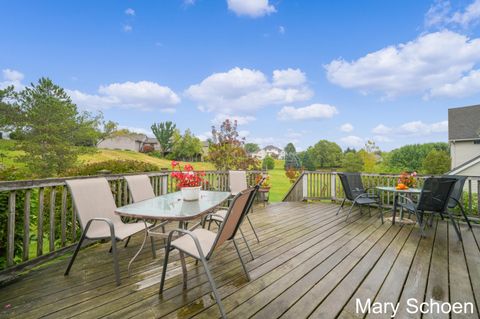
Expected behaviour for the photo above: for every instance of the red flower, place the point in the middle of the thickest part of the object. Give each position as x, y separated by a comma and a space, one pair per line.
189, 178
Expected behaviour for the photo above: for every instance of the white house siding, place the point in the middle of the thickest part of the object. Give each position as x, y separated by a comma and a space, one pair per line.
463, 151
120, 142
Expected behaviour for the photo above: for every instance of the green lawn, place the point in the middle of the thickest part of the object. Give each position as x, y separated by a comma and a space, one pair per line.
280, 182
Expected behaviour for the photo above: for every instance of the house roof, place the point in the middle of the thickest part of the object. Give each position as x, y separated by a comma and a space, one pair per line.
272, 148
465, 165
464, 123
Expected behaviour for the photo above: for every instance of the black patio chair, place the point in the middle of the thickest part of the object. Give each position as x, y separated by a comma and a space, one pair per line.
434, 198
456, 196
357, 194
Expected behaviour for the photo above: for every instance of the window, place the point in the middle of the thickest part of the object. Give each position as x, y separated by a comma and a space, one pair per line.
476, 142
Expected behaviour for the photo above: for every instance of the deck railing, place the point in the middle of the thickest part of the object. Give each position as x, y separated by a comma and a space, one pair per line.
318, 185
40, 222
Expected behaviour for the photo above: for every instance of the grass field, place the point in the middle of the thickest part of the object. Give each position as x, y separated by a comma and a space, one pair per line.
279, 182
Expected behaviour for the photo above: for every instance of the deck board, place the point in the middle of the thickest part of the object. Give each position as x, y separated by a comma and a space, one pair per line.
310, 262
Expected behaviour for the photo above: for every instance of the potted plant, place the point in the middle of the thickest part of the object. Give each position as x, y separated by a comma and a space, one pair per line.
407, 180
188, 181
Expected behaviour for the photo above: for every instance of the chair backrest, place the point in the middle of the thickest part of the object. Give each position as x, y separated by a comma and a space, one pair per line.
352, 185
237, 181
457, 190
435, 194
93, 198
234, 217
140, 187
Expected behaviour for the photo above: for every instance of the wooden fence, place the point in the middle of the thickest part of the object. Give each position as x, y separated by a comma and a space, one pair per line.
39, 219
317, 185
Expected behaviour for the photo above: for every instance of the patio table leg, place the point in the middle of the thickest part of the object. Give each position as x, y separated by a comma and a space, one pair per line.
395, 202
140, 249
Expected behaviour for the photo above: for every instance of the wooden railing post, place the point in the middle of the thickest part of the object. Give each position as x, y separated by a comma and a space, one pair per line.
333, 185
305, 186
11, 228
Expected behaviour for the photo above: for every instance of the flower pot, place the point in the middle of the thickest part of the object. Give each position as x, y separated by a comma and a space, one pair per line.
191, 193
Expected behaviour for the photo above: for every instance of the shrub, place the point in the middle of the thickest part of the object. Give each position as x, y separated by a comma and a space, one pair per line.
114, 166
268, 163
292, 174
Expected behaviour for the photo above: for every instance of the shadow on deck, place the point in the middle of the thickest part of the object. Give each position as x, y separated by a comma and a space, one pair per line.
309, 262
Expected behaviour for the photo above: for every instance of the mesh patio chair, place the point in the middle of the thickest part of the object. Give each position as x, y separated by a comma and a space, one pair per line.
201, 243
434, 198
95, 209
219, 216
237, 181
456, 196
140, 189
357, 194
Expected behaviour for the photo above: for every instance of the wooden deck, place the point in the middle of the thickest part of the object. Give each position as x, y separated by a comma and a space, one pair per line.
310, 263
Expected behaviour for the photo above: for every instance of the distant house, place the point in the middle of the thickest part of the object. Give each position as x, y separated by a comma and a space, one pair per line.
133, 142
464, 139
4, 135
270, 150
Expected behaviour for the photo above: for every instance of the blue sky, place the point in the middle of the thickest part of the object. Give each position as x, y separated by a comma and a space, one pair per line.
297, 71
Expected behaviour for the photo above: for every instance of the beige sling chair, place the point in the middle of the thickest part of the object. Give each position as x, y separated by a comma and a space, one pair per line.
238, 182
201, 243
141, 189
95, 209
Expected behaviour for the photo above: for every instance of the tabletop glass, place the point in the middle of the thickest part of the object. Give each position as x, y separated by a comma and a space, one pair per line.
172, 206
393, 189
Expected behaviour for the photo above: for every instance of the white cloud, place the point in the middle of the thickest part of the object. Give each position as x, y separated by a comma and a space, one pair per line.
313, 111
247, 90
353, 141
381, 129
12, 77
241, 120
251, 8
413, 128
243, 133
281, 29
471, 15
418, 66
381, 138
440, 15
127, 28
143, 95
347, 127
130, 12
466, 86
289, 77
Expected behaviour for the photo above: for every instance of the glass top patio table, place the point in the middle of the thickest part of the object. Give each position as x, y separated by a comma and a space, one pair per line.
395, 190
172, 207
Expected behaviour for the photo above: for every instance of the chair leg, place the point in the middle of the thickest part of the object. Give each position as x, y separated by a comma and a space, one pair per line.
154, 250
164, 270
241, 260
246, 243
115, 259
420, 223
341, 206
380, 208
253, 229
184, 269
350, 210
465, 216
214, 288
77, 249
128, 240
455, 226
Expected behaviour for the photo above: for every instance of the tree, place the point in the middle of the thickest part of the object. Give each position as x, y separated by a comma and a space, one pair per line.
326, 154
306, 160
252, 148
49, 126
268, 163
436, 162
369, 160
164, 131
410, 157
349, 150
292, 161
352, 162
186, 147
290, 148
226, 149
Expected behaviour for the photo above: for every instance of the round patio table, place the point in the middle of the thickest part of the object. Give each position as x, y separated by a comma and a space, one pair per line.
397, 192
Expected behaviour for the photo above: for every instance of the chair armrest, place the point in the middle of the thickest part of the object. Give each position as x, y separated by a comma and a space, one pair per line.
101, 219
188, 233
407, 199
